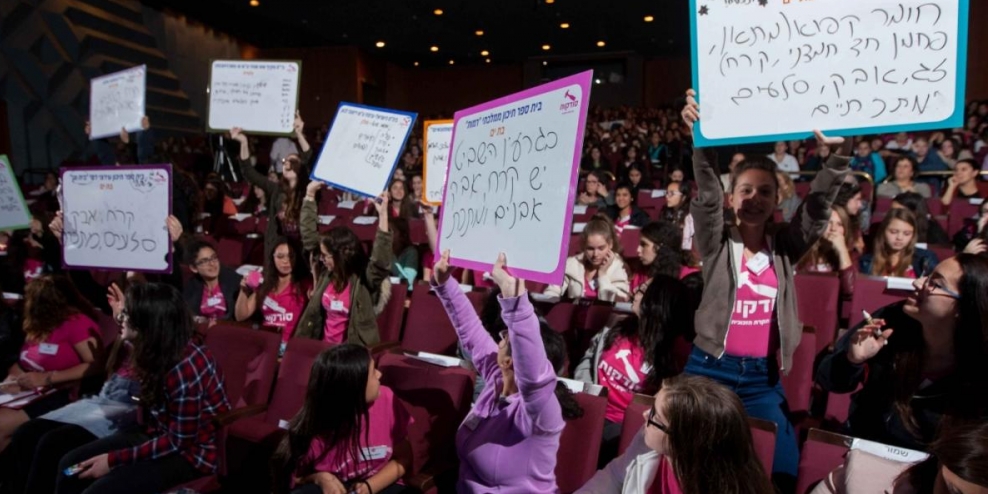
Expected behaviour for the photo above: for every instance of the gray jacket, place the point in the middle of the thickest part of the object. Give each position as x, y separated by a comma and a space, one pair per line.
721, 248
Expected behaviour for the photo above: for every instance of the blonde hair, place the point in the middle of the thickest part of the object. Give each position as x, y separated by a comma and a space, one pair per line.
881, 262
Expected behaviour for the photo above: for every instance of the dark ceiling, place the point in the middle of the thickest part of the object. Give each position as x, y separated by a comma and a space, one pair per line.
513, 30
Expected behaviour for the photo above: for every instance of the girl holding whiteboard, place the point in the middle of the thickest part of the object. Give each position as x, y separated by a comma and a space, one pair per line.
748, 311
284, 197
342, 307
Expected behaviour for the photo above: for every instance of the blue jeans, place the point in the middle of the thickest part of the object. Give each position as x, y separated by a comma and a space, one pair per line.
756, 382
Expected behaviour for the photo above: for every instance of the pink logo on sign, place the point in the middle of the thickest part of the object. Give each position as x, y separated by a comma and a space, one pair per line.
571, 105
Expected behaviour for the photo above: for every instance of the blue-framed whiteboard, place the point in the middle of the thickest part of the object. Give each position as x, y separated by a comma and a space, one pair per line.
773, 70
362, 148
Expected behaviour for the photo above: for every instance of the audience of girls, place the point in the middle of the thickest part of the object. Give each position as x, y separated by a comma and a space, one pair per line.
894, 251
598, 270
278, 293
922, 362
349, 289
749, 312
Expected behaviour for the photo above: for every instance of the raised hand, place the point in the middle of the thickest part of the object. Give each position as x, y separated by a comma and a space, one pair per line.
868, 341
381, 204
298, 125
976, 246
312, 188
691, 112
88, 128
824, 140
124, 136
115, 297
145, 123
174, 228
510, 286
237, 134
57, 226
441, 269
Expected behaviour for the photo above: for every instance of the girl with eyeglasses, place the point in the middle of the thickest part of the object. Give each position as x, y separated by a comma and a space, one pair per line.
278, 293
696, 439
351, 287
212, 293
747, 325
284, 199
677, 211
921, 362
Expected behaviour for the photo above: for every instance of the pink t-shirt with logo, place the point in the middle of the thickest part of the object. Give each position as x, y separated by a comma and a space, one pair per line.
337, 307
213, 304
283, 310
57, 352
620, 223
622, 369
32, 269
754, 326
388, 423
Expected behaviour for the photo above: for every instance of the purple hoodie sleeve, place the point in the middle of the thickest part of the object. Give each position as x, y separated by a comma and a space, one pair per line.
470, 331
534, 375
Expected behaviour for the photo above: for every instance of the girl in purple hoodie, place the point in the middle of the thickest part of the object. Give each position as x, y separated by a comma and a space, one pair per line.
509, 440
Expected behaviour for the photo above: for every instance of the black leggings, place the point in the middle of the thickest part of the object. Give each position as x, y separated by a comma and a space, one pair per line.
149, 476
34, 452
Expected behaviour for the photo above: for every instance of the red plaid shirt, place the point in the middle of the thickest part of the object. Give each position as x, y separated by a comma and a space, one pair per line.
194, 396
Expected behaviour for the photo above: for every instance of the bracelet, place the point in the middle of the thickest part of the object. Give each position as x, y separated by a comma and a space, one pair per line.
369, 490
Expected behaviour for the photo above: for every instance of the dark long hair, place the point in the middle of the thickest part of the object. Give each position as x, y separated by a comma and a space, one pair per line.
49, 301
970, 351
349, 256
552, 341
962, 449
163, 322
292, 198
917, 205
270, 282
667, 239
666, 314
335, 410
709, 439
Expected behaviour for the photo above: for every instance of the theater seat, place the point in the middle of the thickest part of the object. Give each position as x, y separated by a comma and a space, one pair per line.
763, 439
822, 453
247, 359
390, 319
634, 419
438, 398
871, 294
579, 445
818, 298
798, 383
428, 328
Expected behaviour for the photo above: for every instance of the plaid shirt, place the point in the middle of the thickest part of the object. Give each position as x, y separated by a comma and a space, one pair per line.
194, 396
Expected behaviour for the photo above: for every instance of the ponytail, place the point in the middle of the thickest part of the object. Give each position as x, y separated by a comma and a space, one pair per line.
571, 408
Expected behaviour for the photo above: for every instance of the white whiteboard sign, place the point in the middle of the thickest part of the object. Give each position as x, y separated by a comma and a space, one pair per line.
362, 148
512, 179
256, 95
13, 211
438, 137
116, 101
115, 218
774, 70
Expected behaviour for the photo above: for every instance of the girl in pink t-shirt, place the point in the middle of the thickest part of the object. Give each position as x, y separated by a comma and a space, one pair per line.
696, 438
61, 343
350, 433
279, 296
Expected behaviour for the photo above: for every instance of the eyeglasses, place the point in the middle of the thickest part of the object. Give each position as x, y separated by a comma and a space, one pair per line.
651, 421
931, 287
208, 260
122, 317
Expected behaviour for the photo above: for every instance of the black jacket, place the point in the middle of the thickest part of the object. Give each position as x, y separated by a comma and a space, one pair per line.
638, 217
229, 285
873, 414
